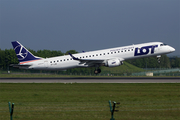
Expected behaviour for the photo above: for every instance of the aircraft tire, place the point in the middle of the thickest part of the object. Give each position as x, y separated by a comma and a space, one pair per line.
99, 70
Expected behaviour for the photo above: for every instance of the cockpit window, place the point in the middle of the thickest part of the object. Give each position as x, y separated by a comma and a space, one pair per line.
163, 44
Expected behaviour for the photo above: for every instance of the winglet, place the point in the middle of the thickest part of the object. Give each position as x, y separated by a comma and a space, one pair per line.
74, 58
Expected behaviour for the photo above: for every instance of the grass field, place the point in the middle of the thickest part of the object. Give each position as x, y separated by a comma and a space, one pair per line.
90, 101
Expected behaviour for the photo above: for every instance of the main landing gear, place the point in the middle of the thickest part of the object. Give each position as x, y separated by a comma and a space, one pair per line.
96, 71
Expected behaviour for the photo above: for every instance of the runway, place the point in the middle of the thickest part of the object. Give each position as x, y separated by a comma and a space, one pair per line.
93, 80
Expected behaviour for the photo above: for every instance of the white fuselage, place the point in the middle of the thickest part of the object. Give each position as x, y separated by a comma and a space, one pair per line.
100, 57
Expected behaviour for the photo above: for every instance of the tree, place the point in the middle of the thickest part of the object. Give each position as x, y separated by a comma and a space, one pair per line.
71, 51
177, 62
151, 62
2, 59
165, 62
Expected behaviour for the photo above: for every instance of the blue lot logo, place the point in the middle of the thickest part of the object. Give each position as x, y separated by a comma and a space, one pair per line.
144, 50
21, 52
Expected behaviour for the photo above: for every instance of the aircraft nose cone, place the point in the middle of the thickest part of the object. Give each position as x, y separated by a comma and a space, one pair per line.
172, 49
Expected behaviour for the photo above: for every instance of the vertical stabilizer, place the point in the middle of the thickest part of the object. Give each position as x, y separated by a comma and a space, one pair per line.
23, 54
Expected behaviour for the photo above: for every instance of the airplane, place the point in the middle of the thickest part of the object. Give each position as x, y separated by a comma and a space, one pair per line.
111, 57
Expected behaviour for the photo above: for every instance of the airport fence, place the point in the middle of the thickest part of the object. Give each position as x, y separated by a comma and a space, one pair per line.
144, 72
158, 72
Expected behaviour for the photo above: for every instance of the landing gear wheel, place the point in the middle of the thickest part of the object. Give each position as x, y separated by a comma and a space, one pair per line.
97, 71
158, 60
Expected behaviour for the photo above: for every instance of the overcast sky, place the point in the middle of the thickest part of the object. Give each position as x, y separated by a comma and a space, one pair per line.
88, 24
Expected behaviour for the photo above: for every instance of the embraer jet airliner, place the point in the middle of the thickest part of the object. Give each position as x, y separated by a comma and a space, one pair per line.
107, 57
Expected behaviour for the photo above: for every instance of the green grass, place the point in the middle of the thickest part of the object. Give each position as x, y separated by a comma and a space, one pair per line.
29, 75
90, 101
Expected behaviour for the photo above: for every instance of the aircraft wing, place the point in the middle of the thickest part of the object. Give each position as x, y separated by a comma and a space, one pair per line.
88, 61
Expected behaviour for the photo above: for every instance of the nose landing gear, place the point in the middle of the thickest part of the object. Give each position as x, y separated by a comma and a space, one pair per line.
158, 58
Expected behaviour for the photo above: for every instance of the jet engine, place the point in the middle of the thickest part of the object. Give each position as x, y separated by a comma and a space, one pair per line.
113, 63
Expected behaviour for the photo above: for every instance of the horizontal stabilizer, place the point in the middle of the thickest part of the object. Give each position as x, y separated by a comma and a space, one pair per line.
18, 65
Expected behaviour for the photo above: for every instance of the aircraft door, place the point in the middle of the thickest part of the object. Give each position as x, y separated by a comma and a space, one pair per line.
46, 63
156, 48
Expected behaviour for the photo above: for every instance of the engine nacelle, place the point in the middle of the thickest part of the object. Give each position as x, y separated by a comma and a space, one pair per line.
113, 63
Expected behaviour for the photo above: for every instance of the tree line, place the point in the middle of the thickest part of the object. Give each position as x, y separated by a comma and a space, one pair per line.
8, 56
152, 62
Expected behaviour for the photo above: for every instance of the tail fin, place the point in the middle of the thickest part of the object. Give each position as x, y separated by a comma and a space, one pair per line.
22, 53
